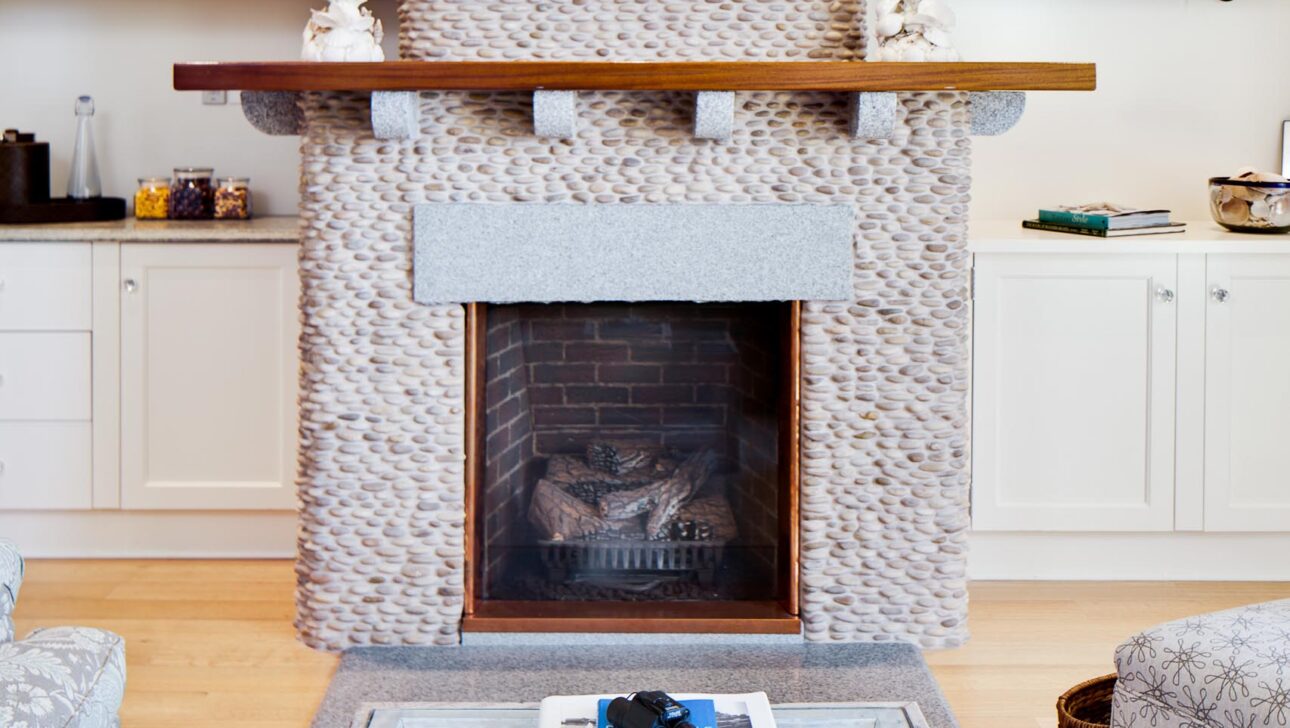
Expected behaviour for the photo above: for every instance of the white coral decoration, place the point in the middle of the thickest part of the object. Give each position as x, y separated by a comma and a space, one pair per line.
345, 31
914, 30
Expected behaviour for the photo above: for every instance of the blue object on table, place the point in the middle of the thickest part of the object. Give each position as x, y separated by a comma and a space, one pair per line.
703, 713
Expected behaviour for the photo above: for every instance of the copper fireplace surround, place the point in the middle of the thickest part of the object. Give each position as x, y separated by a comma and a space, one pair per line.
775, 615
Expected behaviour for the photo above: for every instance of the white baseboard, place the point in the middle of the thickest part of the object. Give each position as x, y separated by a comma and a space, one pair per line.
1129, 556
151, 534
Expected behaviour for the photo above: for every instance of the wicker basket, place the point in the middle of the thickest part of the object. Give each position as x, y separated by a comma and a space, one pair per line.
1087, 705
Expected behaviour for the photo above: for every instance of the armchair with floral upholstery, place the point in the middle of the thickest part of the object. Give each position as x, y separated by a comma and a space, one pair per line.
69, 677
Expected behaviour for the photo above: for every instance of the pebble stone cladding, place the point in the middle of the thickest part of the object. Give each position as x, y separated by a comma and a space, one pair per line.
884, 449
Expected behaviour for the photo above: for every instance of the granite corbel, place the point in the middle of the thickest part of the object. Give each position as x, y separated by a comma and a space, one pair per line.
995, 112
396, 115
276, 113
555, 114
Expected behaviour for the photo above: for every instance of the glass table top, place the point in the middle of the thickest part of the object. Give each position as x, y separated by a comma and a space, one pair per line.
821, 715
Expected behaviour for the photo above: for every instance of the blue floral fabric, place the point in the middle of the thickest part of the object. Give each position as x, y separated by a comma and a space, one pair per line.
1228, 669
10, 582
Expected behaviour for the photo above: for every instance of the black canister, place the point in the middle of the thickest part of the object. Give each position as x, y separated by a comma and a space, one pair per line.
24, 169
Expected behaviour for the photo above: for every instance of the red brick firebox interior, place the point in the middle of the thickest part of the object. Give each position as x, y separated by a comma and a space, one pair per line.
672, 389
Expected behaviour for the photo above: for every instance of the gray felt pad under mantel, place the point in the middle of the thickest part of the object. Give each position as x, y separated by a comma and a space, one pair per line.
536, 252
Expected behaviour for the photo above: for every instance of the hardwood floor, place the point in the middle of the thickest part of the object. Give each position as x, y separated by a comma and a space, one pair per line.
210, 643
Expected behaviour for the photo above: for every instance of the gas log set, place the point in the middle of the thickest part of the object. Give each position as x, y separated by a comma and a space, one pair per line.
628, 507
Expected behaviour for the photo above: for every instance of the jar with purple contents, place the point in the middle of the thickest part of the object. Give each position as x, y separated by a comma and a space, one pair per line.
191, 194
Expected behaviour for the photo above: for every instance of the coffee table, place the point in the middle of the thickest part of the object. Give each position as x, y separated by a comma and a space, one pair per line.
798, 715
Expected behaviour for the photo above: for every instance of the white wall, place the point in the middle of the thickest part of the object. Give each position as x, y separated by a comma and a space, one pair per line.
1189, 89
120, 52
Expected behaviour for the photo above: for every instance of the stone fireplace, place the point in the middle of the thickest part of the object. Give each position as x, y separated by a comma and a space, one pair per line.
426, 427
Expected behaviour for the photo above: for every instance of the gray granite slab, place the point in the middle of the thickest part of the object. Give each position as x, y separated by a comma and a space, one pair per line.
804, 673
502, 253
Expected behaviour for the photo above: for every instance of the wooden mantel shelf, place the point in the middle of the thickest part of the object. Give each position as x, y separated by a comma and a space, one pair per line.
836, 76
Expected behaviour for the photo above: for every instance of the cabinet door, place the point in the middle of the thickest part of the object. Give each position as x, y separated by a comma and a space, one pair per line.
1247, 393
45, 465
1074, 392
208, 376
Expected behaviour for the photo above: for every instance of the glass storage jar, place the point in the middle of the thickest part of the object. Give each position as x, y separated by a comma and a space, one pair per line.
233, 199
152, 198
191, 196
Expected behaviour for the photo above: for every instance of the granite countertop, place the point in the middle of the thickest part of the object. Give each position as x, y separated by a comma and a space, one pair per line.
255, 230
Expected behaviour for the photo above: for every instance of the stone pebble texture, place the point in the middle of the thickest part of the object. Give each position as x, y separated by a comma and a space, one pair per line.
885, 443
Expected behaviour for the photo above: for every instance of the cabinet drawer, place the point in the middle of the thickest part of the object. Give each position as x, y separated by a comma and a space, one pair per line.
45, 286
44, 376
45, 465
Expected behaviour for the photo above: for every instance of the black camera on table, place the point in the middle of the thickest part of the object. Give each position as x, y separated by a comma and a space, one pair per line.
648, 709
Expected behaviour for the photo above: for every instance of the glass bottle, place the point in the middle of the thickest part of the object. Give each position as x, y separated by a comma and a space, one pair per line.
83, 181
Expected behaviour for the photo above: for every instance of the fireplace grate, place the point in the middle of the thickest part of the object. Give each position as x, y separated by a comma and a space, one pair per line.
565, 560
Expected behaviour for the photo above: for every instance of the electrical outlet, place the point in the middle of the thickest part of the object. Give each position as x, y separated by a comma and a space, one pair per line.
214, 98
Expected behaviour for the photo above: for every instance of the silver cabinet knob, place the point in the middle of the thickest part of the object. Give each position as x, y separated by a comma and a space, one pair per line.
131, 285
1, 467
1219, 294
1165, 295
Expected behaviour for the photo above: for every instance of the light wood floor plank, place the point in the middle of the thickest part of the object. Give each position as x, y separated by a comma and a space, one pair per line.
210, 643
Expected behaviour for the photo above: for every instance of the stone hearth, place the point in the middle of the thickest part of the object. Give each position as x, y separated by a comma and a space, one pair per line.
884, 478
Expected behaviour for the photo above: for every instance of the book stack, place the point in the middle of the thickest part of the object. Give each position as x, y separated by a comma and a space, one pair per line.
706, 709
1104, 220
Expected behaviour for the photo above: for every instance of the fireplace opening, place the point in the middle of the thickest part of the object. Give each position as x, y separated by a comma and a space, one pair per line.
633, 461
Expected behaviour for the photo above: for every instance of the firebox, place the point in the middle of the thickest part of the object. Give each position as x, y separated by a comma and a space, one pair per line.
633, 467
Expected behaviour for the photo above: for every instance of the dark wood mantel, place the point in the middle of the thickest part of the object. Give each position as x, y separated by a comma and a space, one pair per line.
835, 76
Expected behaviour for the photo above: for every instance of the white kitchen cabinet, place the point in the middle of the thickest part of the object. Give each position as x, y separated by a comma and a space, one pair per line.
208, 376
45, 381
1074, 375
44, 375
1247, 393
45, 465
45, 286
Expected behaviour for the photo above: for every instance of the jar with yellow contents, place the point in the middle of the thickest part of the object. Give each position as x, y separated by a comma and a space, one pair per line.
152, 198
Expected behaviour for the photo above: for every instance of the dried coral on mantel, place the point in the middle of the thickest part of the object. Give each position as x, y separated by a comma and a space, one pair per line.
344, 31
914, 30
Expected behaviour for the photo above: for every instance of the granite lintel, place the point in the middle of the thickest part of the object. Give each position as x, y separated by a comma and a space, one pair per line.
535, 252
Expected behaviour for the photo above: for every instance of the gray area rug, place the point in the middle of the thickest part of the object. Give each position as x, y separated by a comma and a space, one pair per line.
802, 673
